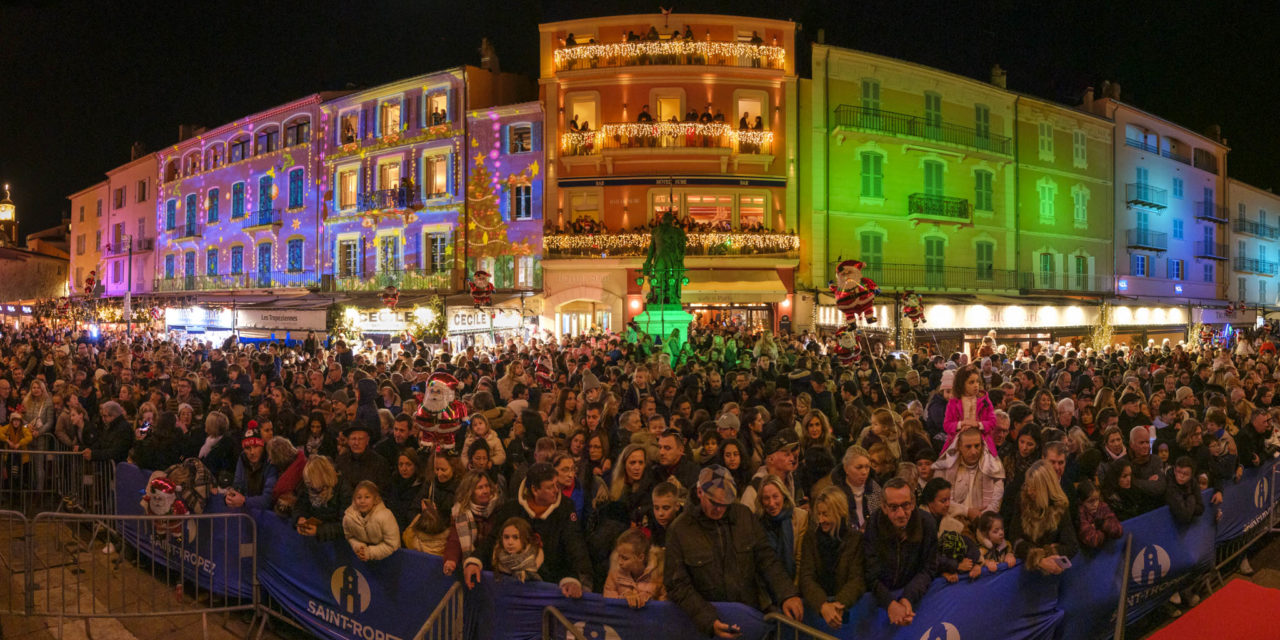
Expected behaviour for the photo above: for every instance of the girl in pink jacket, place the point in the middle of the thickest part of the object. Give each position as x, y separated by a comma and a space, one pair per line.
635, 571
969, 406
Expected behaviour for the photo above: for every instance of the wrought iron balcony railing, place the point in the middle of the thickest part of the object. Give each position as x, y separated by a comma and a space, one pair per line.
261, 218
943, 208
187, 231
1151, 148
666, 135
1211, 211
1211, 250
940, 277
1147, 239
233, 281
902, 124
1058, 281
405, 280
1145, 195
399, 198
1255, 228
669, 52
631, 245
1253, 265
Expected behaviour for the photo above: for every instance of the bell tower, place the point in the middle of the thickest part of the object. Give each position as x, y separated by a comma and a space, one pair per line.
8, 221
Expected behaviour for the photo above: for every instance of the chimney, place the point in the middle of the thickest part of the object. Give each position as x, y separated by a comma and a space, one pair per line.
822, 36
1114, 94
1214, 132
137, 151
1087, 102
488, 56
998, 77
186, 131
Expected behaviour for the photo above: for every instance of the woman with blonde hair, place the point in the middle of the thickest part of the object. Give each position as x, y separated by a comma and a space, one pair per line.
831, 578
1105, 399
321, 501
1042, 533
815, 431
784, 525
631, 479
37, 405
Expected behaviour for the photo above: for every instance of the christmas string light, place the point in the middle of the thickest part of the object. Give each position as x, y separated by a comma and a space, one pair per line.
657, 50
636, 244
674, 132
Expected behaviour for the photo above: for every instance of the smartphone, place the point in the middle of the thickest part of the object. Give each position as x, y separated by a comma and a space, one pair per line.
1063, 561
146, 426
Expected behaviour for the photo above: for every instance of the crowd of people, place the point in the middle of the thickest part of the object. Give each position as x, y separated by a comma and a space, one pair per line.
750, 467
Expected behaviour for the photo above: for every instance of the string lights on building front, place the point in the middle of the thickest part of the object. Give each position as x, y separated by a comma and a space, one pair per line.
636, 244
671, 51
669, 134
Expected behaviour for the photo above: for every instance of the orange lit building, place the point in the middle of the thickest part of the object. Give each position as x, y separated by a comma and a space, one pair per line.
650, 112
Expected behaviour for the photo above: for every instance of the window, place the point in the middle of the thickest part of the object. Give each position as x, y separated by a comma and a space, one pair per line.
297, 132
1262, 292
82, 212
1046, 141
349, 258
583, 108
268, 140
79, 276
1177, 229
1210, 202
189, 264
266, 193
871, 94
238, 150
99, 208
1177, 187
190, 210
436, 171
436, 108
295, 188
437, 253
1047, 191
389, 175
349, 127
388, 253
982, 122
141, 191
750, 212
872, 175
237, 260
294, 249
1047, 271
1080, 206
117, 236
522, 202
117, 198
1241, 288
80, 245
934, 259
264, 264
117, 273
1139, 265
211, 262
142, 228
348, 186
716, 210
932, 114
933, 178
1240, 208
1204, 159
982, 195
237, 200
389, 117
97, 240
872, 245
524, 271
169, 266
986, 252
211, 207
520, 137
1175, 269
1082, 273
1079, 150
170, 214
749, 107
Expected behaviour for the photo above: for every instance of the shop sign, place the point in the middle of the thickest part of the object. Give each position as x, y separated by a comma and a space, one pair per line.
384, 321
469, 320
281, 319
198, 318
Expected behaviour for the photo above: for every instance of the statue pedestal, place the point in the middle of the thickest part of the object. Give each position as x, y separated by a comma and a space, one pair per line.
659, 320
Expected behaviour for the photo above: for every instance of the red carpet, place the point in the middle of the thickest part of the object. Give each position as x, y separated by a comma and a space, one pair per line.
1239, 611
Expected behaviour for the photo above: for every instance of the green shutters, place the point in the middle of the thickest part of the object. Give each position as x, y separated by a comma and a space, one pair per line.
872, 175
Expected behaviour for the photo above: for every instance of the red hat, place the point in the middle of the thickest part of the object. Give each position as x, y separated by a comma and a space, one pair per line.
444, 378
163, 485
252, 436
856, 264
482, 274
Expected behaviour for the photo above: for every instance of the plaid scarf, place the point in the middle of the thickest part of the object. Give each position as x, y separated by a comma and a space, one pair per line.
465, 523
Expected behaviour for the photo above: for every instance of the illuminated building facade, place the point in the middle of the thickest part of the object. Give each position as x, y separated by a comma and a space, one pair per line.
130, 218
1254, 245
87, 213
237, 207
647, 113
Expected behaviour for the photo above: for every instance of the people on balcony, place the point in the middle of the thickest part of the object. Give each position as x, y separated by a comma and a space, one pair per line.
644, 115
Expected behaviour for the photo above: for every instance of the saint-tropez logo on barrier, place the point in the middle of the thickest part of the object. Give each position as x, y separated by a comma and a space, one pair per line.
1150, 564
594, 631
351, 592
942, 631
1261, 497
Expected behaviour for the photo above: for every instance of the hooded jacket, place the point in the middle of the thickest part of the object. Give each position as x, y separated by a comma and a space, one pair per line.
619, 584
376, 531
367, 405
562, 542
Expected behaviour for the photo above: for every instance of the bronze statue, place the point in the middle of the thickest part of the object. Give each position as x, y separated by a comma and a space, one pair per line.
664, 262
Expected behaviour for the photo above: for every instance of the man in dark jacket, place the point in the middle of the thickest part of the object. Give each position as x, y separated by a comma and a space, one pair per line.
554, 521
367, 407
1251, 441
360, 462
718, 552
115, 439
901, 547
673, 465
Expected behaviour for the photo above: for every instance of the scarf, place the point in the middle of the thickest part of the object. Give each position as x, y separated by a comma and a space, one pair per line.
209, 443
782, 537
465, 523
522, 566
828, 558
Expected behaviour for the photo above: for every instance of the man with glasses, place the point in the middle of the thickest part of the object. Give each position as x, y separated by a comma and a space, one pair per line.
901, 552
705, 560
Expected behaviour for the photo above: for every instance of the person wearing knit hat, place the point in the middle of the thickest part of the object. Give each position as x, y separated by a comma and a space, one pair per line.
255, 477
727, 425
948, 379
591, 387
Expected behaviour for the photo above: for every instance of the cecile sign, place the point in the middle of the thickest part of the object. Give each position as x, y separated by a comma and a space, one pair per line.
467, 320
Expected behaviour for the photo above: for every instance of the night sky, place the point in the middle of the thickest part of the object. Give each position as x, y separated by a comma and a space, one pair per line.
83, 80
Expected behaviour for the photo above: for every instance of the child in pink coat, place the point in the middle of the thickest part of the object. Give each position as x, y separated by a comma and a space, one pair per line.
635, 571
969, 406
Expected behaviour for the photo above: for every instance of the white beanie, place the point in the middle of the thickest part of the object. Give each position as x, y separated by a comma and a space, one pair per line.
948, 379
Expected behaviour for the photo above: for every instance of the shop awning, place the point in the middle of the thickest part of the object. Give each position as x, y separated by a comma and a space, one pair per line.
730, 286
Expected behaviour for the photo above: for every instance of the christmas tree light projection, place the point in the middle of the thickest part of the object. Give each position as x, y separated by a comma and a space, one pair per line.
1103, 331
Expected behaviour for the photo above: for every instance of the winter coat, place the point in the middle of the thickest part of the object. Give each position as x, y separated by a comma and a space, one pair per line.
891, 562
1098, 525
367, 407
290, 477
428, 543
847, 564
1185, 502
870, 496
649, 585
23, 439
113, 442
989, 474
329, 514
984, 411
567, 560
376, 531
354, 468
497, 453
256, 483
724, 560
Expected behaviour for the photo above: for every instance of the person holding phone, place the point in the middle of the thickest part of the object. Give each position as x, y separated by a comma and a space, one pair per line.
1044, 537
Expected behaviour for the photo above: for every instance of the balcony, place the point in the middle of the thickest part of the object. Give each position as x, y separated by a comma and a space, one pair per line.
405, 280
189, 231
636, 245
1211, 250
1151, 148
1251, 265
656, 137
1145, 195
1210, 211
1147, 239
260, 219
925, 207
670, 52
234, 281
1065, 282
1255, 228
400, 198
940, 278
905, 125
121, 247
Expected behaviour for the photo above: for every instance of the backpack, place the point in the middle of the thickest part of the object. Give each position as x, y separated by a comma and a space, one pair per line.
194, 482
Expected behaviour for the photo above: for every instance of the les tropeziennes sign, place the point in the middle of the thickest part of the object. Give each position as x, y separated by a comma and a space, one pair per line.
221, 319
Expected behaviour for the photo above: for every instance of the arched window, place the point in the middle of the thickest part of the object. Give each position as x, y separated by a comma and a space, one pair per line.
297, 131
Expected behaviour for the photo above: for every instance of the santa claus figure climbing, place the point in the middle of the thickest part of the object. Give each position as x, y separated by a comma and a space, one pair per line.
481, 289
441, 413
855, 294
913, 308
848, 350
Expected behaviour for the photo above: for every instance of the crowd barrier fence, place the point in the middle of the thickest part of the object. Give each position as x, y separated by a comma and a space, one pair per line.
38, 480
330, 593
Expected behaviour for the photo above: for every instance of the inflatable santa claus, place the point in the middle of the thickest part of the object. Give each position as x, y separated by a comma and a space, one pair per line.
481, 288
855, 294
161, 499
913, 308
441, 413
848, 351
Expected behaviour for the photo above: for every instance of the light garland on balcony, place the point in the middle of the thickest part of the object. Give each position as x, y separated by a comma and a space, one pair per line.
701, 243
672, 130
775, 55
